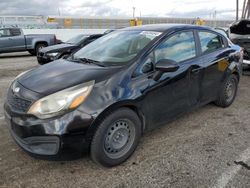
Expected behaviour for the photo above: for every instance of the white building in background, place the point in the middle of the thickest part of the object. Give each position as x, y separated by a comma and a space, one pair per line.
26, 22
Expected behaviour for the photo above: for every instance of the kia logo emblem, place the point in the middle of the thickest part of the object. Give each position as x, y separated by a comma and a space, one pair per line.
16, 90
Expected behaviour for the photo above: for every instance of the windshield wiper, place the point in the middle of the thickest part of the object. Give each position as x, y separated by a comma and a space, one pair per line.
89, 61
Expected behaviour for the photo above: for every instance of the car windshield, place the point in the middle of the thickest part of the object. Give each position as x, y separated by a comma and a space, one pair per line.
76, 39
116, 48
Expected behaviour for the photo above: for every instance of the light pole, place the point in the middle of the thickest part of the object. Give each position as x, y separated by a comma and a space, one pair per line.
237, 10
133, 12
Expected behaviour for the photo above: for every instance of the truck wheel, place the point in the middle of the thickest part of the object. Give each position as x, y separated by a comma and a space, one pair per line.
228, 91
39, 47
116, 137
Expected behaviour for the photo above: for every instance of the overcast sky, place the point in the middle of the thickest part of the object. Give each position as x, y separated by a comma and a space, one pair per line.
225, 9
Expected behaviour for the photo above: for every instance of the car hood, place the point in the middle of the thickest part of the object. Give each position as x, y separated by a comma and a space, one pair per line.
62, 74
58, 48
240, 27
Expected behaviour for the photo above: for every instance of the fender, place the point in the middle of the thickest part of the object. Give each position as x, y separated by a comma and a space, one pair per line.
233, 68
127, 104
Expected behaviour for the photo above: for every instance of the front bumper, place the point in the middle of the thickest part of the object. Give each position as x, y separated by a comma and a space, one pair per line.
58, 138
43, 59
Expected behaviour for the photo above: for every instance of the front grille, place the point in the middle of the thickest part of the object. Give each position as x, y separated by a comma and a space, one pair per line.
17, 103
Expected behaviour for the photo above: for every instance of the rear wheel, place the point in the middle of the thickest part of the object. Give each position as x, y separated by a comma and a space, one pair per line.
116, 137
228, 91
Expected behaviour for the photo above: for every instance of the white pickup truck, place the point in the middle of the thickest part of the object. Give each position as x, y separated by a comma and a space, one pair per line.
13, 40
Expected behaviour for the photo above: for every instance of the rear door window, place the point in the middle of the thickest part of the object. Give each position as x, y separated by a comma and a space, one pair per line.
210, 42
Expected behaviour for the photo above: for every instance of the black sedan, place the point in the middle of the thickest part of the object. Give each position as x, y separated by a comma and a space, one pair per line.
51, 53
123, 84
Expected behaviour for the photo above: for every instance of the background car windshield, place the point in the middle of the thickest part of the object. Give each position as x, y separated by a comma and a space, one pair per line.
117, 48
76, 39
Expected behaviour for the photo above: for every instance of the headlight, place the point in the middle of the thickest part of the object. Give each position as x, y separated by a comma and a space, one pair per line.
62, 101
52, 54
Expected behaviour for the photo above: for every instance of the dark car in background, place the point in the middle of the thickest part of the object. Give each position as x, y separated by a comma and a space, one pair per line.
106, 95
239, 33
63, 50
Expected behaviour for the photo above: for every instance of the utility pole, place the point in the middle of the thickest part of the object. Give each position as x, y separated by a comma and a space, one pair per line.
243, 10
59, 12
237, 10
133, 12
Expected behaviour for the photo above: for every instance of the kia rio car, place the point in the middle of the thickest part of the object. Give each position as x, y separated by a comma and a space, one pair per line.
104, 97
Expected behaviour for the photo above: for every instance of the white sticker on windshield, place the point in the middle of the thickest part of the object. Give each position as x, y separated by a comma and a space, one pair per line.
150, 34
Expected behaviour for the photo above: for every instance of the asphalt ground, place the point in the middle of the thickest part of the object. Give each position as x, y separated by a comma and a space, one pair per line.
208, 147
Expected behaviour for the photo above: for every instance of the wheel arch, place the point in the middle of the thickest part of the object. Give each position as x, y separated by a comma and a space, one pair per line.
41, 42
232, 69
130, 104
237, 74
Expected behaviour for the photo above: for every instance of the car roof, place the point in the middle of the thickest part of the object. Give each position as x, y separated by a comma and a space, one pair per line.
164, 27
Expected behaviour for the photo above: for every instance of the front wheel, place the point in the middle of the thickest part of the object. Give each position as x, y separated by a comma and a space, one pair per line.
116, 137
228, 91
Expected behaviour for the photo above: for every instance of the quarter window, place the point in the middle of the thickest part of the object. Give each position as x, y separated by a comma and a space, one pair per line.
179, 47
210, 42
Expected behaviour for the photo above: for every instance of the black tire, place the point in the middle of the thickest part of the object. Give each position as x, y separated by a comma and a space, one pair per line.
39, 46
108, 146
228, 91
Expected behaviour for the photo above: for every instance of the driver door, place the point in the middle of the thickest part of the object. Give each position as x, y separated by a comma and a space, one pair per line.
11, 40
169, 96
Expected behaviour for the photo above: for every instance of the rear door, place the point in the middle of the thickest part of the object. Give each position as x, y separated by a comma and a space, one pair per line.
215, 58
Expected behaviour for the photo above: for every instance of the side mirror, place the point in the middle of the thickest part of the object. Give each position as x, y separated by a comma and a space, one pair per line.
165, 65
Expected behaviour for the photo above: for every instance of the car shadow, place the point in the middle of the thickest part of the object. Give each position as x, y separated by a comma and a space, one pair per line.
15, 55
